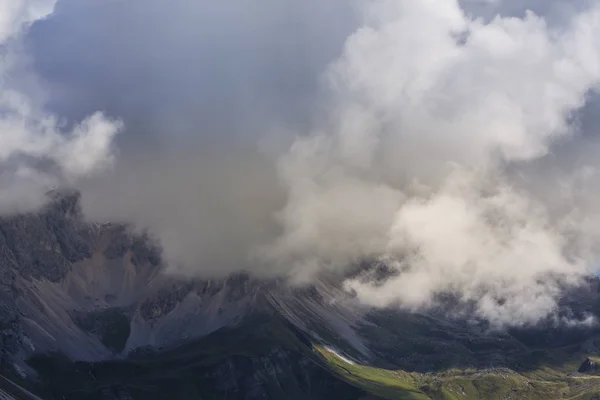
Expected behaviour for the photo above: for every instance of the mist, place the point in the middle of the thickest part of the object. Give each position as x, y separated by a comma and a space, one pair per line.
453, 141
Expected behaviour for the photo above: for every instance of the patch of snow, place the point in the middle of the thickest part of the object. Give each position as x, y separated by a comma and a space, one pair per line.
339, 355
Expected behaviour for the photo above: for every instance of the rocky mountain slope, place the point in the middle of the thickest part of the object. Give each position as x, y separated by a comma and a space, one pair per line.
87, 313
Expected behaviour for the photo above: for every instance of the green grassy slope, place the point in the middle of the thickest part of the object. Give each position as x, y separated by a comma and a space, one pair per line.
502, 383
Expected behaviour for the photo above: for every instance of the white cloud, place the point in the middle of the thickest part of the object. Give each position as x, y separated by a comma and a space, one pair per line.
16, 15
30, 136
482, 243
433, 118
430, 106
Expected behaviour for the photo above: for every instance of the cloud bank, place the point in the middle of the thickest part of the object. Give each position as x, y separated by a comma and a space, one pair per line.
413, 167
453, 141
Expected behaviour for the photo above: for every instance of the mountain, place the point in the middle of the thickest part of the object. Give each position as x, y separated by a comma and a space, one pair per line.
88, 313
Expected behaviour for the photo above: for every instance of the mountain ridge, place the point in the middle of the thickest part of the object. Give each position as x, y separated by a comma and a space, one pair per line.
98, 306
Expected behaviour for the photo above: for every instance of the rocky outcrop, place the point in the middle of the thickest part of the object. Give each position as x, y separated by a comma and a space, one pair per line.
143, 249
57, 290
588, 366
93, 292
44, 245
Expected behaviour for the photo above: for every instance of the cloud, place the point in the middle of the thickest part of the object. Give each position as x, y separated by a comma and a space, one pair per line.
490, 246
206, 99
451, 140
17, 14
36, 153
425, 125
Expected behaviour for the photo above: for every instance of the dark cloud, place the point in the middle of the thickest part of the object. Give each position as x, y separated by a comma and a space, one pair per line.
291, 137
183, 68
207, 92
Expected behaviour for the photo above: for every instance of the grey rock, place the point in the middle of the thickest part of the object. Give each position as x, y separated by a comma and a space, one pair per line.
587, 366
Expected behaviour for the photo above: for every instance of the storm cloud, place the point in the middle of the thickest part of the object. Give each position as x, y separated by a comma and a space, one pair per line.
453, 141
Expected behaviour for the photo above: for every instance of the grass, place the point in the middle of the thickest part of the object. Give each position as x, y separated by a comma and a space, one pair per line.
543, 383
384, 383
503, 384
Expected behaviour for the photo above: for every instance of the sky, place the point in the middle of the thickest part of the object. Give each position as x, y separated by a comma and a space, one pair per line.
36, 151
455, 141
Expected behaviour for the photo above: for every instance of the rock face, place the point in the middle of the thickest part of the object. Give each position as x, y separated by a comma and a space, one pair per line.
35, 248
76, 292
588, 366
70, 286
76, 295
45, 245
86, 311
